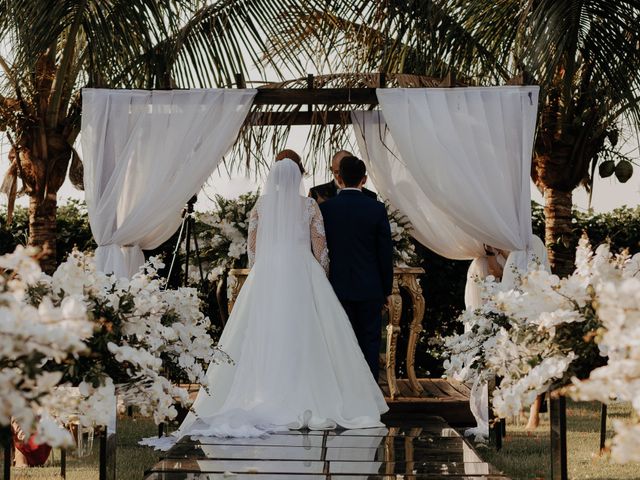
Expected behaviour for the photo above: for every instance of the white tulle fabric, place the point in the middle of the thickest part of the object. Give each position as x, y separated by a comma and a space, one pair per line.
297, 360
469, 150
145, 154
456, 162
318, 235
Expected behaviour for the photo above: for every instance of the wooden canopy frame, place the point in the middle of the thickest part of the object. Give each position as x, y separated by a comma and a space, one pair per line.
331, 97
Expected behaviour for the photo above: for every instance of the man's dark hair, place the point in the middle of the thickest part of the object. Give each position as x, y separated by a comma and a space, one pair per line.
352, 171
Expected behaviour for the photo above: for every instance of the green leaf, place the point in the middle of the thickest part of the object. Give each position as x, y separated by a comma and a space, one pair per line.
624, 170
606, 168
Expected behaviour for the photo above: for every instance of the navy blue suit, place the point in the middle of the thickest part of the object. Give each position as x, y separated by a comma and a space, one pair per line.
361, 268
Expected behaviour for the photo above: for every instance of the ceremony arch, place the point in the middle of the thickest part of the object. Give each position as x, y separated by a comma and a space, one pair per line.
454, 161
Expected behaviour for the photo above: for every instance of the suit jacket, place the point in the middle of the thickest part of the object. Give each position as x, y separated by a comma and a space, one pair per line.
360, 248
324, 192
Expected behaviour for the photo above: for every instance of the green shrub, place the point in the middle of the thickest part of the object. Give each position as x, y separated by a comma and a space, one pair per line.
620, 227
72, 224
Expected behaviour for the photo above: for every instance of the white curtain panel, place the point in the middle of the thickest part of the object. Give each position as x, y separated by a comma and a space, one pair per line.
394, 181
457, 162
469, 151
145, 154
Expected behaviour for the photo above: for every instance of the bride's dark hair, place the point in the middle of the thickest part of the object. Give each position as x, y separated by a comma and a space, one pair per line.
291, 155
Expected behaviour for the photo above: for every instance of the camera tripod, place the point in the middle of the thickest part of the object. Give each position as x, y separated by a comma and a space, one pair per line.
187, 230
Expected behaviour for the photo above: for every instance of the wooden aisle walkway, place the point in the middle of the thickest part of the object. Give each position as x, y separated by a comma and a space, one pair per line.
444, 398
427, 449
417, 443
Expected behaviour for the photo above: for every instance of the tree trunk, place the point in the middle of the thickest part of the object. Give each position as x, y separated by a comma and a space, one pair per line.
42, 229
559, 230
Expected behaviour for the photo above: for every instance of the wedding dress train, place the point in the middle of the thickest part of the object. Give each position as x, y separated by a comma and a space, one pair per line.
296, 360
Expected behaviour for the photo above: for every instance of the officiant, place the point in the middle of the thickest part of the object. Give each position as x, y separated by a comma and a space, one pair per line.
323, 192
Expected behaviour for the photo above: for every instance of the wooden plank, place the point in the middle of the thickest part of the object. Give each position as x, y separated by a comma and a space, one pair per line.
422, 400
448, 390
430, 388
240, 83
331, 117
317, 96
460, 387
405, 389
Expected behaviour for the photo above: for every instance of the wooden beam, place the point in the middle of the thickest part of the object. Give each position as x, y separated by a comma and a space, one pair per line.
310, 87
240, 83
449, 80
317, 96
332, 117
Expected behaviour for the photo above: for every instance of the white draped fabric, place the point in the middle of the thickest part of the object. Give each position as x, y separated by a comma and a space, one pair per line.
469, 150
457, 162
393, 179
145, 154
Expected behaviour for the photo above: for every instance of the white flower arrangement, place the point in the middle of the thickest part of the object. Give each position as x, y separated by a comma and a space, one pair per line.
73, 341
539, 335
33, 337
617, 303
223, 234
404, 250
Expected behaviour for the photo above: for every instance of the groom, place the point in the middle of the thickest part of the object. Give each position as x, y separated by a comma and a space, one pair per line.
322, 193
361, 256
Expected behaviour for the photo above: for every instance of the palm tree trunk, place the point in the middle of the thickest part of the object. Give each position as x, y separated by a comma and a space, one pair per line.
42, 229
558, 230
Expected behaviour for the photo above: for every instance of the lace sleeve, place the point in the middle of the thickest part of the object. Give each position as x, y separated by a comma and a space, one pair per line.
318, 237
253, 234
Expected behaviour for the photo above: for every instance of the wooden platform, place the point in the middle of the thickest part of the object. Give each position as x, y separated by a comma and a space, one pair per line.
444, 398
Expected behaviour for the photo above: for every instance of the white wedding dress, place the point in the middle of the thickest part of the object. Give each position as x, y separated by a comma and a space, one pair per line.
297, 362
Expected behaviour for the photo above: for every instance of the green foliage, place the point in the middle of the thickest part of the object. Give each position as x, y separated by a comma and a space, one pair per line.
443, 286
72, 225
620, 227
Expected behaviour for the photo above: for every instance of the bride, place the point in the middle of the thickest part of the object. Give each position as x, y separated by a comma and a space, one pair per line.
297, 363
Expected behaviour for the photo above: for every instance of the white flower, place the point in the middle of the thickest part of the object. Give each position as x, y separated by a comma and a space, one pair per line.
156, 263
625, 444
214, 274
523, 348
53, 324
22, 262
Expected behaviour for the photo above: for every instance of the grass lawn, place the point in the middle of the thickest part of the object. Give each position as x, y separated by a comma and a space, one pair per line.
525, 455
131, 458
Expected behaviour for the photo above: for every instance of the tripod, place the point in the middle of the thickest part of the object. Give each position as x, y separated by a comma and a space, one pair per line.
187, 230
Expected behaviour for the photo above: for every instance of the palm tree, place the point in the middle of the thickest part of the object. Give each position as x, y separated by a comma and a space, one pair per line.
50, 49
585, 55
